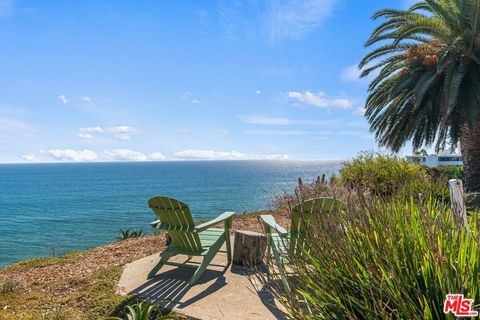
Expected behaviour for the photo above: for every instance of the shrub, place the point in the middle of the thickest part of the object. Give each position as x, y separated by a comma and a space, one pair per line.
383, 175
445, 173
130, 233
143, 311
393, 259
9, 286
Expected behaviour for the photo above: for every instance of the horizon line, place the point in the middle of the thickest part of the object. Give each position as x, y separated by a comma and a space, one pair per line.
170, 160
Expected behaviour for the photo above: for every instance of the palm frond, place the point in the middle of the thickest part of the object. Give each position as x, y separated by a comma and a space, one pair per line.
425, 86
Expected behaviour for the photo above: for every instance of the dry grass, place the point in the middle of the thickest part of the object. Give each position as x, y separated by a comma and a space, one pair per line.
250, 221
52, 287
64, 274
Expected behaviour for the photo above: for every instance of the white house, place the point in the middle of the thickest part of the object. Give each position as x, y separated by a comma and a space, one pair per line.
435, 160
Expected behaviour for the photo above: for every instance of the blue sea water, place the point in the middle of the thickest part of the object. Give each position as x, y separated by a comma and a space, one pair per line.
48, 209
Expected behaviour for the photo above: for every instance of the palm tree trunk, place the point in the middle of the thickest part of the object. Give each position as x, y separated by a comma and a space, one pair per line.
470, 147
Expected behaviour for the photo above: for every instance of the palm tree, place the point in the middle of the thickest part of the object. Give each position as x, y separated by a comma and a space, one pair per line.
426, 88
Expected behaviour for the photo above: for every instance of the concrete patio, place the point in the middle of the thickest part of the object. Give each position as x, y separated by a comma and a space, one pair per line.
221, 293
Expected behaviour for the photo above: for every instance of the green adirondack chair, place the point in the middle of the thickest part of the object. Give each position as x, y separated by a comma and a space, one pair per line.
281, 243
203, 240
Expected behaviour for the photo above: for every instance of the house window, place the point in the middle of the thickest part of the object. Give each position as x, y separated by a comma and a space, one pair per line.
444, 159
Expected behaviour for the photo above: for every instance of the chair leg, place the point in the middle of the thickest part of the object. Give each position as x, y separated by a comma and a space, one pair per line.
200, 270
206, 260
164, 258
268, 259
229, 248
285, 284
281, 269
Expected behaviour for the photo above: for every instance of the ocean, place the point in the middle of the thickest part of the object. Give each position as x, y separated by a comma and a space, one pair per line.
51, 209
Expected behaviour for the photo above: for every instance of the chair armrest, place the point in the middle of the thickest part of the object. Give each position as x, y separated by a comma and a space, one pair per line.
223, 217
155, 223
270, 223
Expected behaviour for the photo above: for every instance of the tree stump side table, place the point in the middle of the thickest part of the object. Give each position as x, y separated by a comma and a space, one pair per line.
249, 248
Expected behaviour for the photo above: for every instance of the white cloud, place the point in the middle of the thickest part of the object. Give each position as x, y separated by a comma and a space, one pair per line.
29, 157
119, 132
360, 111
320, 100
278, 121
276, 157
132, 155
91, 130
86, 99
73, 155
293, 19
122, 129
125, 155
209, 155
258, 92
122, 132
89, 155
190, 96
156, 156
63, 99
85, 136
224, 131
286, 132
87, 132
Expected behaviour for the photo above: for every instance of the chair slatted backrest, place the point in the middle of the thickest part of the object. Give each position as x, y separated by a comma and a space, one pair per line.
176, 219
304, 212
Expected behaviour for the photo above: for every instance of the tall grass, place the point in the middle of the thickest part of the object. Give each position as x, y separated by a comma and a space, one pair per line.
382, 260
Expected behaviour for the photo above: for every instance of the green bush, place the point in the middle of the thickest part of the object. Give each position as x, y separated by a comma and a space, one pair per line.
445, 173
130, 233
383, 175
144, 310
392, 259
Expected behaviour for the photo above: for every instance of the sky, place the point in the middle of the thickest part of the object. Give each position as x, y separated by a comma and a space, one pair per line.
183, 80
